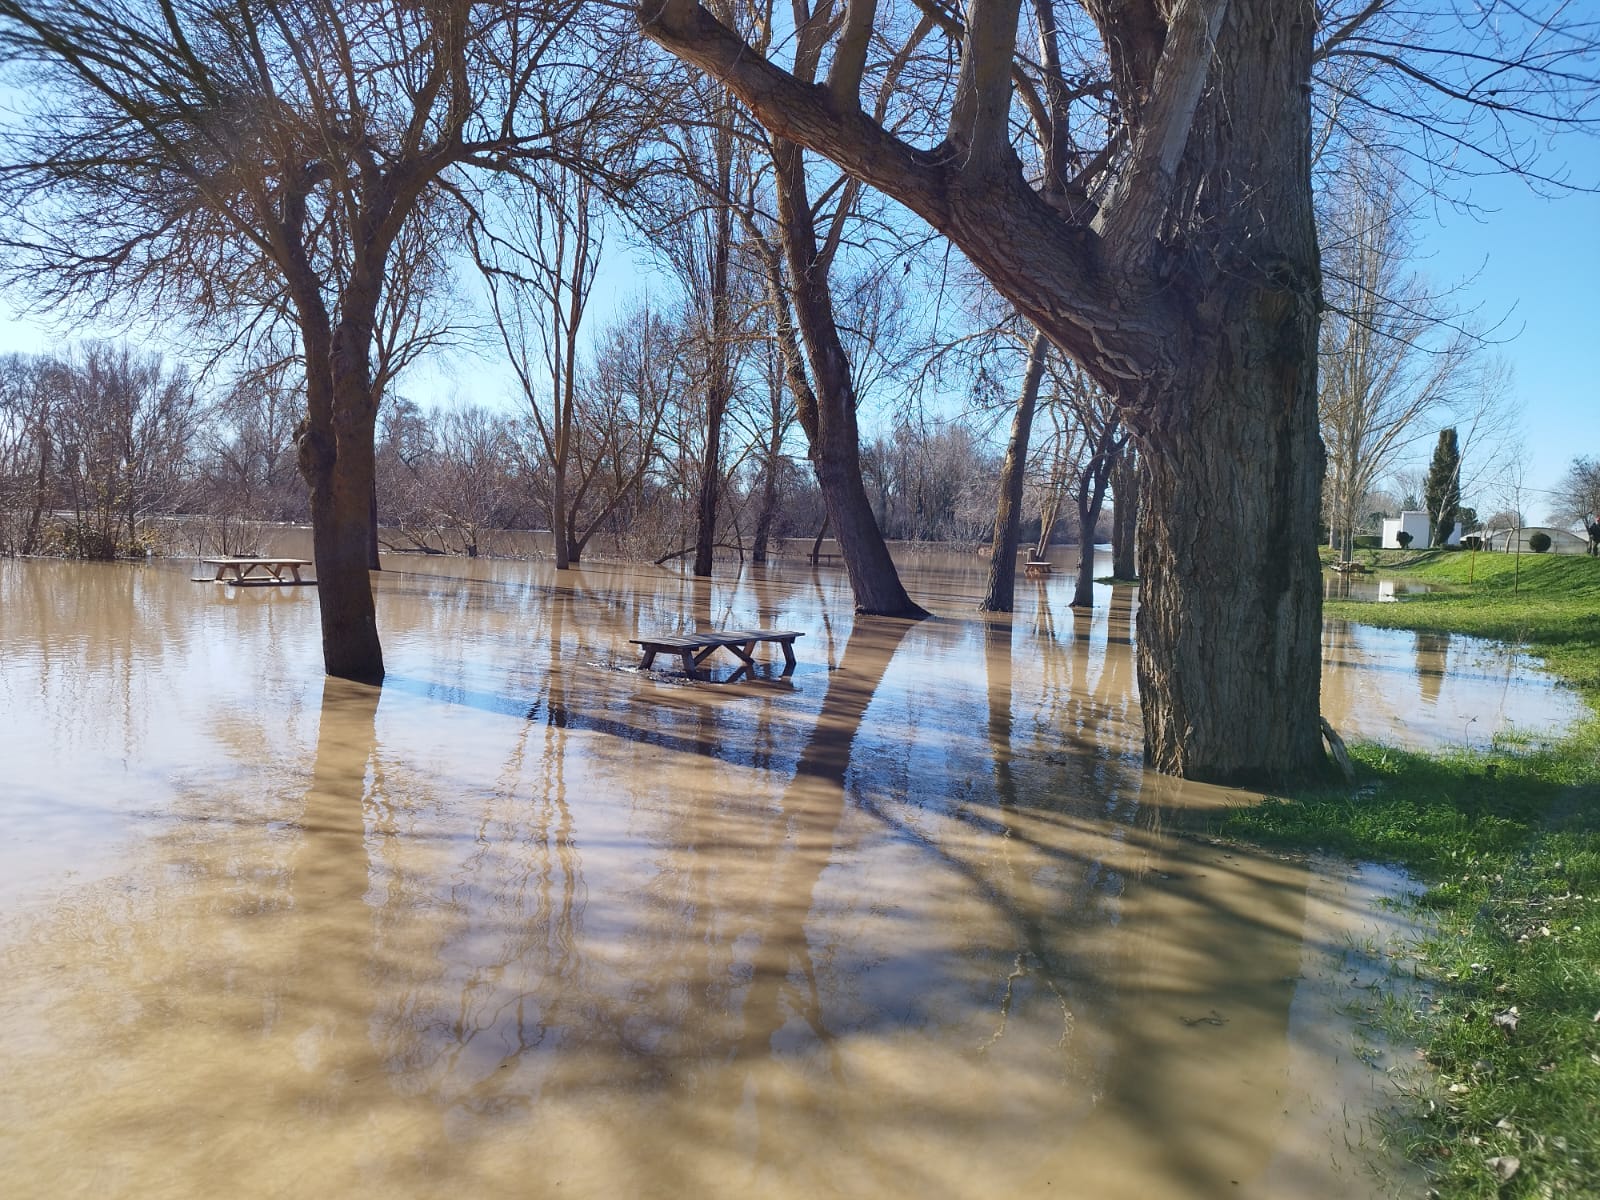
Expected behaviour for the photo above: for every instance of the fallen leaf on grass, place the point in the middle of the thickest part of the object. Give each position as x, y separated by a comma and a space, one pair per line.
1504, 1166
1507, 1020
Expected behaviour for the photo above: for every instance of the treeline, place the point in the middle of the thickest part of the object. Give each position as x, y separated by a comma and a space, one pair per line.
102, 446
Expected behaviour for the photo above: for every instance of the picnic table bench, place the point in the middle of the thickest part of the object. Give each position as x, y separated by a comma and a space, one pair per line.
244, 570
695, 648
1036, 566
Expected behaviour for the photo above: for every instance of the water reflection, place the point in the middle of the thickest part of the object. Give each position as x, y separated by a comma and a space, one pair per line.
530, 922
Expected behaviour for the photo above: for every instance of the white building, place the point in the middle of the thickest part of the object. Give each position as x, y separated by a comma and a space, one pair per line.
1416, 524
1562, 541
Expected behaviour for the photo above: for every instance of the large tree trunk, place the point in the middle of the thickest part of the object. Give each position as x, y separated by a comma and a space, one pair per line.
1231, 610
1001, 592
830, 420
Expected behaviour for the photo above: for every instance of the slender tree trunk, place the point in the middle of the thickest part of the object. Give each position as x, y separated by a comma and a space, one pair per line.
710, 473
30, 541
373, 562
1125, 485
1001, 592
1091, 495
830, 423
560, 542
816, 542
769, 503
719, 348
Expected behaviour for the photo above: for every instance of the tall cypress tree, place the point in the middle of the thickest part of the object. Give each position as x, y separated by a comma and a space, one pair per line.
1441, 494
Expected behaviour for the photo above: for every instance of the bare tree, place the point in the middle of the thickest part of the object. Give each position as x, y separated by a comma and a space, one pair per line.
1577, 498
226, 163
247, 455
1165, 239
31, 391
1392, 354
125, 426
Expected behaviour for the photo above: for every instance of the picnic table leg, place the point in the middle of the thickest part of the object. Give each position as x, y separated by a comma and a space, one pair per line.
649, 658
690, 662
787, 646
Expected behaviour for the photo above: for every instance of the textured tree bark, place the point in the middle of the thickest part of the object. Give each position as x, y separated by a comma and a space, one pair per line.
1000, 595
1230, 611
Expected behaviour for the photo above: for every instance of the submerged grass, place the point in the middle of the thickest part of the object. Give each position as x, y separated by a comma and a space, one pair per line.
1508, 840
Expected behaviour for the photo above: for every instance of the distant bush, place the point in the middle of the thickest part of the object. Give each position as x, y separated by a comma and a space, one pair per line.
1539, 542
1404, 539
1367, 541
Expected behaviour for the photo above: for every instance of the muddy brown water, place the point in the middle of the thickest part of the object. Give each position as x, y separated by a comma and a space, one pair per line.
911, 922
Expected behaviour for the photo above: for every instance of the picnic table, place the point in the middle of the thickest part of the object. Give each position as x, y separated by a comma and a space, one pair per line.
1036, 566
694, 648
258, 570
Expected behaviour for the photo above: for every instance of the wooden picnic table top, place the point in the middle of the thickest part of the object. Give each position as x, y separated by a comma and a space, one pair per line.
714, 638
259, 562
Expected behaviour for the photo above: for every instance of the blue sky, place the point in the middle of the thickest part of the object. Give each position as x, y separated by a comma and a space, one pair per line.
1535, 262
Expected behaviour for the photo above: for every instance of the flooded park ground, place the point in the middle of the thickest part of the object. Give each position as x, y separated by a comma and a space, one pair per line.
912, 921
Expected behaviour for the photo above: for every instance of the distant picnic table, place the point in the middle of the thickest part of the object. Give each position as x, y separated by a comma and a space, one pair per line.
694, 648
258, 570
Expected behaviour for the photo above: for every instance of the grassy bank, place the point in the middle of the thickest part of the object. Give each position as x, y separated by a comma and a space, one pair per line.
1508, 841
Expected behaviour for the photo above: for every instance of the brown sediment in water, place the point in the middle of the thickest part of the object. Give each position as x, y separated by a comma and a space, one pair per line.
910, 922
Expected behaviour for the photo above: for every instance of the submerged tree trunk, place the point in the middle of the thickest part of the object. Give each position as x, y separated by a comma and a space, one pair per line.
336, 446
1125, 522
1093, 477
1000, 594
560, 541
829, 419
769, 506
340, 470
719, 345
816, 543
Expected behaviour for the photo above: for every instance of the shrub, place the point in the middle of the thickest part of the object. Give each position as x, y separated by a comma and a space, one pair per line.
1539, 542
1404, 539
1366, 541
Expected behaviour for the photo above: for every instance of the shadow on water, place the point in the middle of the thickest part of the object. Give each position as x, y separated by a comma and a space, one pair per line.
530, 922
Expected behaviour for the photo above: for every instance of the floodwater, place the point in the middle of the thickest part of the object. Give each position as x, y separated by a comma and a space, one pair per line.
531, 923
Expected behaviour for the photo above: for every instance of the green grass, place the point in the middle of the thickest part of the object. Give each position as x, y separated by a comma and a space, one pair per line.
1508, 841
